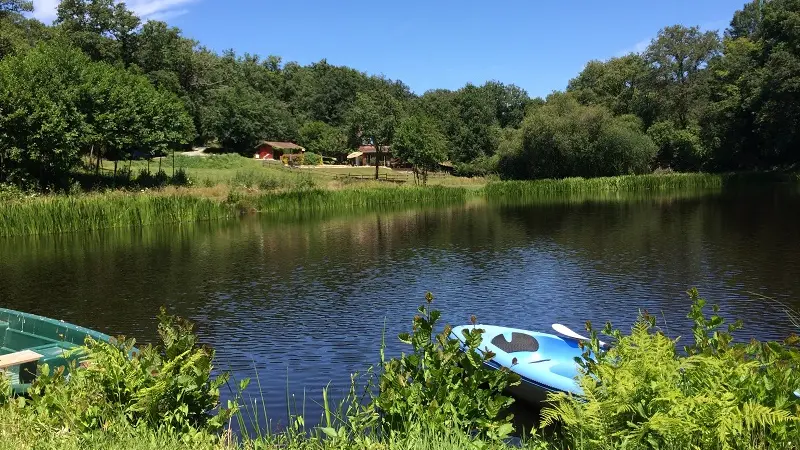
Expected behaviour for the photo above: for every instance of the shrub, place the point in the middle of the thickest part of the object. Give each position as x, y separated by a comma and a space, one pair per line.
481, 166
440, 385
181, 178
643, 394
312, 159
167, 388
679, 149
566, 139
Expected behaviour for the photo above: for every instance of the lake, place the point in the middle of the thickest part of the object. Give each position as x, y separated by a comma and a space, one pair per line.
305, 301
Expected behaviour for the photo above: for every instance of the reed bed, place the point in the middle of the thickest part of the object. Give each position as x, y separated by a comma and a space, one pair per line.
63, 214
251, 192
358, 199
628, 183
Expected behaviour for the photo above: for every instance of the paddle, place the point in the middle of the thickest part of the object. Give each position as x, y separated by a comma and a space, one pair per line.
563, 329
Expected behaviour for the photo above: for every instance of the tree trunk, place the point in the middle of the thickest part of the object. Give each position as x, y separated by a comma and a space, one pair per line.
115, 173
377, 160
99, 159
2, 165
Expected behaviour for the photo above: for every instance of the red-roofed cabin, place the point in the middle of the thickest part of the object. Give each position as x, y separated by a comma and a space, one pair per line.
274, 150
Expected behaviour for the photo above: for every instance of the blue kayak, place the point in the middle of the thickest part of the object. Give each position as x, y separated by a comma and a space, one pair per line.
545, 362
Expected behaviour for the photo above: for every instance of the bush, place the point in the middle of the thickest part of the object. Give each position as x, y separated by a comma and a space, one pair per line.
312, 159
440, 385
481, 166
167, 388
679, 149
566, 139
643, 394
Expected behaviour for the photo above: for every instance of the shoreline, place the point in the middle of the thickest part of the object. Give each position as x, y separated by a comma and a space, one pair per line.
55, 214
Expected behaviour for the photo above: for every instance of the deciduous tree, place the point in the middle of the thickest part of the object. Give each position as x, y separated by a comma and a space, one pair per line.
421, 144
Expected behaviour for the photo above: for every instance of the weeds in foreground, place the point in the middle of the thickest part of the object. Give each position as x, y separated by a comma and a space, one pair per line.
643, 394
442, 385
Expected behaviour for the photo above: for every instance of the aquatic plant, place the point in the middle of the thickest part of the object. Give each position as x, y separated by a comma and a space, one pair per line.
644, 394
61, 214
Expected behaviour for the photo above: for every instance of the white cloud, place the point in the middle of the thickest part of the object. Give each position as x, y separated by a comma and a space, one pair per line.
639, 47
164, 16
45, 10
149, 8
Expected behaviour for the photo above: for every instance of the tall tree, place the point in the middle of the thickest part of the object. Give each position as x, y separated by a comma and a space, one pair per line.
678, 54
321, 138
41, 123
8, 7
624, 85
509, 102
17, 31
239, 117
374, 118
420, 143
103, 29
166, 57
478, 133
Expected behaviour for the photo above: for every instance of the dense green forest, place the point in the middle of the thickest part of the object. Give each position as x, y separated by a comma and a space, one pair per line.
100, 83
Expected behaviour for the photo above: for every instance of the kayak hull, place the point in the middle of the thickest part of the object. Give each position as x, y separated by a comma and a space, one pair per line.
545, 362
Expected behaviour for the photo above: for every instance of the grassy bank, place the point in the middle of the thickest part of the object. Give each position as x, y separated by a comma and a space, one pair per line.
270, 190
61, 214
653, 183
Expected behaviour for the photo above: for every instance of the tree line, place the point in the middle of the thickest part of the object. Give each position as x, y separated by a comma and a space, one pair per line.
100, 83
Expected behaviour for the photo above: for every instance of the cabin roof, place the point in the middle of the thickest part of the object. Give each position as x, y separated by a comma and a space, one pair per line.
282, 145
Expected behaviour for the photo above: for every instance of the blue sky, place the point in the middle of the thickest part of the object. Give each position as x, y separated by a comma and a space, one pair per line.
429, 44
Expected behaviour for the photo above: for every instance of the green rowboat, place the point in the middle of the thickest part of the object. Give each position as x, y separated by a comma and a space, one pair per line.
27, 341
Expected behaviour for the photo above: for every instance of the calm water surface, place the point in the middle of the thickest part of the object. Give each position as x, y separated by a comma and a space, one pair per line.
307, 300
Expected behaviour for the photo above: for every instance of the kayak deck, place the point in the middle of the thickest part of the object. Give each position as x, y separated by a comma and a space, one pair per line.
545, 362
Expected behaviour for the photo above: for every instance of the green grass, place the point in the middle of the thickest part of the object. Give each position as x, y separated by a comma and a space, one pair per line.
249, 186
653, 183
631, 183
18, 431
227, 169
62, 214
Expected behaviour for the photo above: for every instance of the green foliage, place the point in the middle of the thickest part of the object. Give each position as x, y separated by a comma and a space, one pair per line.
323, 139
440, 385
312, 159
5, 389
732, 105
103, 29
40, 115
563, 138
622, 85
678, 55
679, 149
240, 117
643, 394
421, 144
168, 388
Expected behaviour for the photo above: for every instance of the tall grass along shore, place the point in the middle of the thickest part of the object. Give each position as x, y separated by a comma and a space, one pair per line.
298, 192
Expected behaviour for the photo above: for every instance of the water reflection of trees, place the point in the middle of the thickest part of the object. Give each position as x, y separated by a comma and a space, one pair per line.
115, 281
